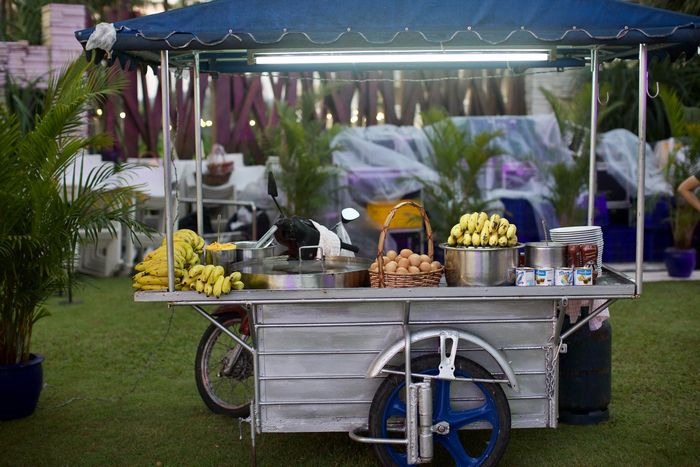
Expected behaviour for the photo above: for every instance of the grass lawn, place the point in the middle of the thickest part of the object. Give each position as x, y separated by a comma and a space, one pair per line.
119, 393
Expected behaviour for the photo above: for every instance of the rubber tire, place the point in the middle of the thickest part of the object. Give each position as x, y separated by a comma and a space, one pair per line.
212, 331
430, 362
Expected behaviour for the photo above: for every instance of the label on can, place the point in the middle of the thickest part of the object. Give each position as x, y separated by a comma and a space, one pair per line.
544, 276
524, 277
583, 276
564, 276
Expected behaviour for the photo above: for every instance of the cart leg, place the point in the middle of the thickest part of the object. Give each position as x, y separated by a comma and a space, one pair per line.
253, 451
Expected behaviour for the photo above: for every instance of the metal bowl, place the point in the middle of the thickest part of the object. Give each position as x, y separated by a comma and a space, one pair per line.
244, 251
545, 254
483, 267
278, 272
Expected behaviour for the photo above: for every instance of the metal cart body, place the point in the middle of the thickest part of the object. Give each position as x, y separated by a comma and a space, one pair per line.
320, 354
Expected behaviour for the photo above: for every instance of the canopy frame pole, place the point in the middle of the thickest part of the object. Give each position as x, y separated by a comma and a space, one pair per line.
595, 95
198, 146
165, 92
641, 164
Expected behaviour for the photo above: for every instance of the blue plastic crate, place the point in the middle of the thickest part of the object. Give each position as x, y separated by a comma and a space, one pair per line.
520, 212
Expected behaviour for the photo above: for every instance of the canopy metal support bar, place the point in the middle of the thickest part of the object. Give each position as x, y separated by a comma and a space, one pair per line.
641, 167
594, 136
198, 145
167, 167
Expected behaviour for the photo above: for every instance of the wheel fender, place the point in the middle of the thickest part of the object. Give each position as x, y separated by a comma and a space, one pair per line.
390, 352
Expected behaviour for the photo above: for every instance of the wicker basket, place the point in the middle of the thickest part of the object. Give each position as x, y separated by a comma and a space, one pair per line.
381, 279
217, 173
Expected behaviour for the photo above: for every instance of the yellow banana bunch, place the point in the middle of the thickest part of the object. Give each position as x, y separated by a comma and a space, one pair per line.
478, 229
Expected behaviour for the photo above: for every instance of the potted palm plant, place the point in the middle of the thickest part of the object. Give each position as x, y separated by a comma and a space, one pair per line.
40, 217
305, 150
458, 158
683, 161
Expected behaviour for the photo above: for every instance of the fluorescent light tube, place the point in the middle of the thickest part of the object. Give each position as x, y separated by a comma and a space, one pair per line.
323, 58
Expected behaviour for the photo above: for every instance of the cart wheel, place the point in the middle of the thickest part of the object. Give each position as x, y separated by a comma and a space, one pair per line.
224, 370
456, 405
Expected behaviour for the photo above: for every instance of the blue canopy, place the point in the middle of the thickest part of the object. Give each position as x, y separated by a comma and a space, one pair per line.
225, 31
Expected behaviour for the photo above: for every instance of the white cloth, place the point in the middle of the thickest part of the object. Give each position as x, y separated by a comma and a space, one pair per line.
328, 241
103, 37
573, 311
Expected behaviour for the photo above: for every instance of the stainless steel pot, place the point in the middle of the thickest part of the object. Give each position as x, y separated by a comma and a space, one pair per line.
244, 251
545, 254
480, 266
278, 272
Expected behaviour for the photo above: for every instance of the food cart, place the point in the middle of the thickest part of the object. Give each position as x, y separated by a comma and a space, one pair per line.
401, 368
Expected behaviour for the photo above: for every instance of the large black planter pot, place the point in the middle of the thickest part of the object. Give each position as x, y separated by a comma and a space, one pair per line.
20, 386
679, 263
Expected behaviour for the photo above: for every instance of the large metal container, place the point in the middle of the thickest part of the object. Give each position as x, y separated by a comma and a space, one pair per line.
480, 266
278, 272
244, 251
545, 254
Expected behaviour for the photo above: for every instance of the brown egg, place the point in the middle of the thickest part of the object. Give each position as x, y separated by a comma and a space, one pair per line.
402, 271
425, 259
424, 267
392, 254
391, 267
435, 265
406, 252
414, 259
404, 263
373, 266
387, 259
413, 270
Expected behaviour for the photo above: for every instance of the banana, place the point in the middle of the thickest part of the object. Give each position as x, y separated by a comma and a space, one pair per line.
208, 289
486, 227
513, 241
484, 237
473, 218
208, 269
199, 287
466, 240
153, 280
196, 270
451, 241
464, 222
154, 287
238, 285
456, 231
162, 271
503, 226
476, 239
215, 274
218, 286
493, 239
235, 276
480, 221
502, 240
495, 219
226, 285
512, 229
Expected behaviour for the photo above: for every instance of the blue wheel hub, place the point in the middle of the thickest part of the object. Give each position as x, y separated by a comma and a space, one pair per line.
447, 421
